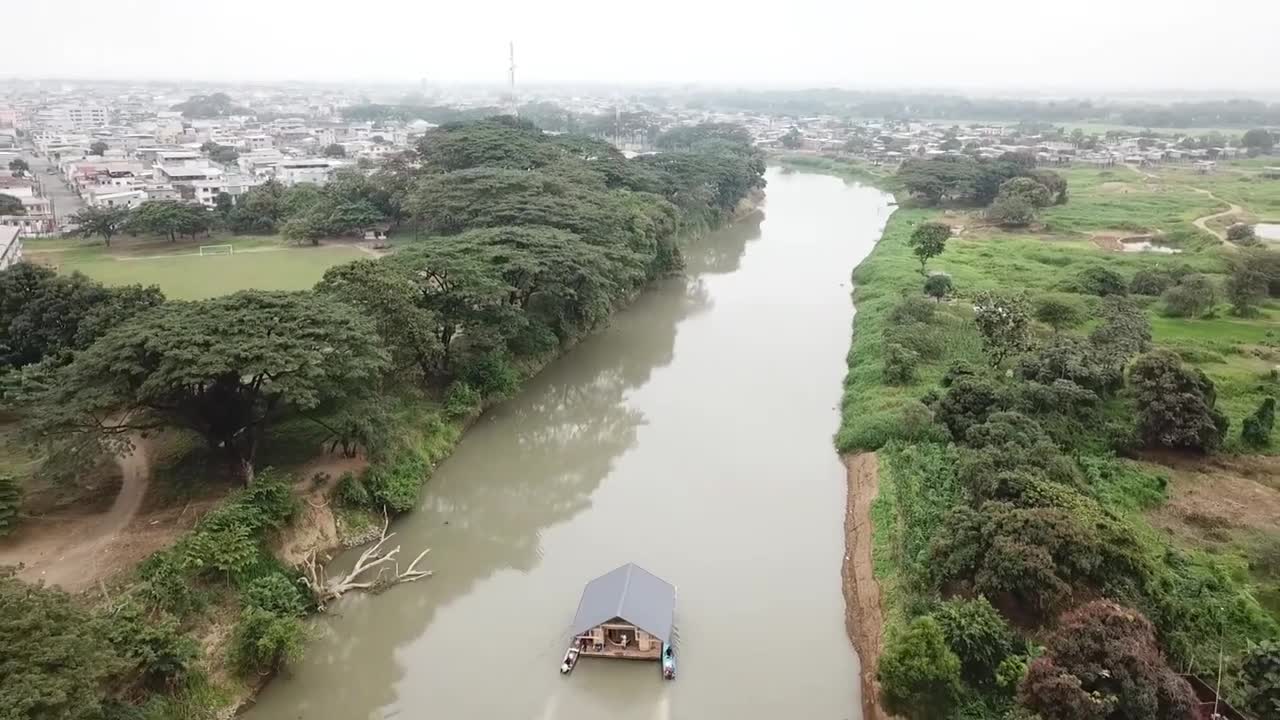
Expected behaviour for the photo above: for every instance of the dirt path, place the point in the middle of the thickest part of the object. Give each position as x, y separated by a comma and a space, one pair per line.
1203, 222
863, 618
75, 552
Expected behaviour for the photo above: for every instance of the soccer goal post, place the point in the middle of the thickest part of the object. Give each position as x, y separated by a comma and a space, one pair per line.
216, 250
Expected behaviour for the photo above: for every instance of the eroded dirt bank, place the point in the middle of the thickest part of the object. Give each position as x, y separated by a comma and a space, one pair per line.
863, 617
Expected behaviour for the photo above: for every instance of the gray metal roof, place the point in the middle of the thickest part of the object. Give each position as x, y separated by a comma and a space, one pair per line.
630, 593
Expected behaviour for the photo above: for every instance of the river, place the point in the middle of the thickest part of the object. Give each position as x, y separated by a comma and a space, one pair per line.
692, 437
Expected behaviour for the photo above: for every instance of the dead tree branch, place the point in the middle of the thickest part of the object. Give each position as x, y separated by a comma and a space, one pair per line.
326, 589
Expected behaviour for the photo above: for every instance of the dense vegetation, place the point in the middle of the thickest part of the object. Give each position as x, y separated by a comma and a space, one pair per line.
526, 242
1212, 113
1005, 420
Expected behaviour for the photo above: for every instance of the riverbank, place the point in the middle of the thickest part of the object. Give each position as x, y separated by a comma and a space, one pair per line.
864, 619
919, 482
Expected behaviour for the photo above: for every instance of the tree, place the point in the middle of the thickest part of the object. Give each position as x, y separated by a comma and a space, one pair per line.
1193, 296
1103, 663
1242, 234
98, 148
977, 634
938, 286
1004, 322
1260, 670
1246, 287
1256, 431
1151, 281
105, 222
1258, 140
1054, 183
1029, 189
223, 204
919, 675
792, 139
1011, 211
390, 296
225, 368
334, 150
224, 155
1176, 403
10, 205
1059, 313
19, 167
1100, 281
170, 218
929, 240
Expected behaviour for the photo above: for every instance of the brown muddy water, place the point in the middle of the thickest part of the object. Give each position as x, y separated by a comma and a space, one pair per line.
692, 437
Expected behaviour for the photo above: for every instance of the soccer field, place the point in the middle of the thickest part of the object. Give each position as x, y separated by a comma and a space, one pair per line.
183, 274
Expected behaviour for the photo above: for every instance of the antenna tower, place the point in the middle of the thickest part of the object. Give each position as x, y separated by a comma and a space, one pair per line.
511, 79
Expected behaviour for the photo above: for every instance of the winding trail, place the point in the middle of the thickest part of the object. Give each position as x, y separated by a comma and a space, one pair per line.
1203, 222
73, 552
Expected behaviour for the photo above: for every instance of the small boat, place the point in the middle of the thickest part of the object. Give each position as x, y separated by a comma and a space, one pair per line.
668, 662
570, 660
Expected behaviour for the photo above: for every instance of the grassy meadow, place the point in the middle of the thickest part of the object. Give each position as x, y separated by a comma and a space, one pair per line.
261, 262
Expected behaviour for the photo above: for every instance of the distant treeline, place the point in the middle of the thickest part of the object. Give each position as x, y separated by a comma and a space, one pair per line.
545, 115
1212, 113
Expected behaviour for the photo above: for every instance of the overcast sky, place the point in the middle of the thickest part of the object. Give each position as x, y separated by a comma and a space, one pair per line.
1111, 45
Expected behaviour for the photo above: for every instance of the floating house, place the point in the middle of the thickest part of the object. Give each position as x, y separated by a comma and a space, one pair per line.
627, 613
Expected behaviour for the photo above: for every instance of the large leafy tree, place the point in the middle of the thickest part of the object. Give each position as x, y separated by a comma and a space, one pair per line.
105, 222
919, 675
1004, 321
390, 295
1103, 663
169, 218
1176, 403
225, 368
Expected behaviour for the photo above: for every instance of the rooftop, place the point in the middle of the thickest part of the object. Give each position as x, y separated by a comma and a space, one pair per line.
630, 593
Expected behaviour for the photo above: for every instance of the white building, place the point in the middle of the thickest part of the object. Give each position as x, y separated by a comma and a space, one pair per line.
72, 117
312, 171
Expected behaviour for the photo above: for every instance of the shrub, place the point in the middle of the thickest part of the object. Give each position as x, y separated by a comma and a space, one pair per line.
911, 309
460, 400
491, 375
938, 286
352, 492
1242, 234
276, 593
1100, 281
395, 484
1004, 322
1256, 431
167, 586
899, 364
968, 400
977, 634
919, 675
1193, 296
1065, 683
1151, 281
1028, 189
156, 650
1260, 670
1059, 313
263, 640
10, 501
54, 662
1176, 404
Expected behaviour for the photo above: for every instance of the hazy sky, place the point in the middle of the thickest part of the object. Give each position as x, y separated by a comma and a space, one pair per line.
1115, 45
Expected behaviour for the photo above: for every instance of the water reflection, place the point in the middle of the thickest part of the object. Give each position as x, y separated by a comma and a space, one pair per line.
528, 465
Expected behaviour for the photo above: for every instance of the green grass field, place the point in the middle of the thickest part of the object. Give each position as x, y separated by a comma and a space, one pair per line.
183, 274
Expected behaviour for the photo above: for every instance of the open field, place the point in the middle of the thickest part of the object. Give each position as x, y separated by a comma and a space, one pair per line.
182, 273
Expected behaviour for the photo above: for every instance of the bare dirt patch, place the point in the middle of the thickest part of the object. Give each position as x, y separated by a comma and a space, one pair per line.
1211, 499
76, 549
316, 527
864, 619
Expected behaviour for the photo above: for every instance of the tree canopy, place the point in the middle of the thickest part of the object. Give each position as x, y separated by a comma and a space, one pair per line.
225, 368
